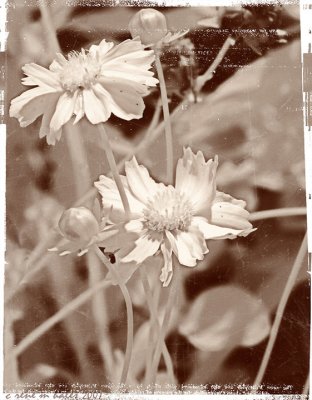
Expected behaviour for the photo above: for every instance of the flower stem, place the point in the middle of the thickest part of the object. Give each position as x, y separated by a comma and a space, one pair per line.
165, 324
155, 322
152, 339
277, 213
49, 27
114, 170
99, 309
73, 135
279, 312
202, 79
56, 318
145, 141
165, 106
128, 302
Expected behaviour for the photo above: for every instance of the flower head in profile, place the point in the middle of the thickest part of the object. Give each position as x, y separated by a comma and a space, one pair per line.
175, 220
94, 83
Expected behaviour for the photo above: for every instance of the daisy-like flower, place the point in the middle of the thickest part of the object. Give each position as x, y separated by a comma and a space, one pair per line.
94, 83
175, 220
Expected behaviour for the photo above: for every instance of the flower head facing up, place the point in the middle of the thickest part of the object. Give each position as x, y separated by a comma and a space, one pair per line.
105, 79
175, 219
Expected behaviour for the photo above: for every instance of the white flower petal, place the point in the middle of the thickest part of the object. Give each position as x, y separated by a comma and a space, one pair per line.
129, 60
111, 199
96, 108
58, 63
102, 49
145, 246
31, 104
230, 215
140, 182
54, 136
125, 101
211, 231
196, 178
64, 111
135, 225
190, 247
40, 76
167, 271
46, 119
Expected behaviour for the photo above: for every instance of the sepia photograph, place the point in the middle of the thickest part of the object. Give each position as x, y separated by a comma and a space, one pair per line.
156, 199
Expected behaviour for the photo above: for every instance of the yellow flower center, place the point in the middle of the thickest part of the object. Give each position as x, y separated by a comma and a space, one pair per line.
168, 210
80, 72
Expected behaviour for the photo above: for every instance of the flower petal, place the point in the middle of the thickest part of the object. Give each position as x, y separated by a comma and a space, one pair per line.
40, 76
129, 60
190, 246
102, 49
111, 199
64, 111
211, 231
46, 119
167, 271
125, 101
96, 108
230, 215
31, 104
145, 246
140, 182
196, 178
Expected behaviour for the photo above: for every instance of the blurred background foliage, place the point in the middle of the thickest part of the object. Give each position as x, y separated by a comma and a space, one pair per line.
250, 114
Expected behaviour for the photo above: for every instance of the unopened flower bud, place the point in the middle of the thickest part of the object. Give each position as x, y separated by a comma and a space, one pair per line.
78, 223
149, 24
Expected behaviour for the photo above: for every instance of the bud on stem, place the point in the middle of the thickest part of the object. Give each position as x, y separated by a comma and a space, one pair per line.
150, 25
78, 223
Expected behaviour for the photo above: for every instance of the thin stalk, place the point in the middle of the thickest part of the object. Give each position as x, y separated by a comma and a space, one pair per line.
165, 106
99, 308
280, 311
114, 170
155, 322
202, 79
165, 324
49, 27
74, 143
152, 339
278, 213
145, 141
128, 302
56, 318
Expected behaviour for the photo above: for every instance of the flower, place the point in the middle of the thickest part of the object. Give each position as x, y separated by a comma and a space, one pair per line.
151, 27
106, 79
175, 220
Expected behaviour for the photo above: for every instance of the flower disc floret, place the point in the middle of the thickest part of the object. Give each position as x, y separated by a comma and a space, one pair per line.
168, 210
80, 71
